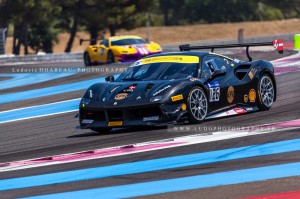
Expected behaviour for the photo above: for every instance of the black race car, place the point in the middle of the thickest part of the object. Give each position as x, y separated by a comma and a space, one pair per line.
178, 87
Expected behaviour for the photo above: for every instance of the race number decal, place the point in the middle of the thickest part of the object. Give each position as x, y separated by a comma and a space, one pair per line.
214, 91
214, 94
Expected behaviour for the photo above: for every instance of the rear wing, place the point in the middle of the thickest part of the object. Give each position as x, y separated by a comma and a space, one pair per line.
278, 45
83, 40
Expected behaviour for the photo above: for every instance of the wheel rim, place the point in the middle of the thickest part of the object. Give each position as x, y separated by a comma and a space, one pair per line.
198, 104
266, 91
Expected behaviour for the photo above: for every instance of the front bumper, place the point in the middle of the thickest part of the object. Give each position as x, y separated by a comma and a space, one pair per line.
153, 115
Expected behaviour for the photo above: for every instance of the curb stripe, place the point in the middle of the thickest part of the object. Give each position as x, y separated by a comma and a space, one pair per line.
152, 165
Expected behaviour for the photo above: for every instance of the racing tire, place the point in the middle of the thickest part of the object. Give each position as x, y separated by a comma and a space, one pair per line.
266, 92
197, 105
110, 57
101, 130
87, 60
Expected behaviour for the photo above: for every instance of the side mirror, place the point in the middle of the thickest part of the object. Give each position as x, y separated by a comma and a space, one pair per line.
101, 46
216, 74
110, 78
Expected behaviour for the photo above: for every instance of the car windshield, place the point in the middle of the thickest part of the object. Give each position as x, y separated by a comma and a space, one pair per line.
130, 41
159, 71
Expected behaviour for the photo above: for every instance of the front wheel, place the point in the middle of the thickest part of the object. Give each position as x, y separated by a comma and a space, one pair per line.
266, 92
87, 60
197, 105
110, 57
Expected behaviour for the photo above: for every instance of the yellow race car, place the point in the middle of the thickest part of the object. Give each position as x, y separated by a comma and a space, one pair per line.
127, 48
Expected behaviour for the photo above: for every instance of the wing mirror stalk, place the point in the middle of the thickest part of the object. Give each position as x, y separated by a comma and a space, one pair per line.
216, 73
110, 78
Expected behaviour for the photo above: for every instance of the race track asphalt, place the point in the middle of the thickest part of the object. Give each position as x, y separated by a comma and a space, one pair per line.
57, 134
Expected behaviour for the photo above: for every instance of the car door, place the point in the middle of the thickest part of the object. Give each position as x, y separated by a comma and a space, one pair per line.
103, 51
221, 90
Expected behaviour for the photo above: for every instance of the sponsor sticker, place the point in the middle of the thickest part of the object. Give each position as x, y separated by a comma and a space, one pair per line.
177, 97
112, 90
252, 95
194, 79
246, 98
213, 84
151, 118
121, 96
252, 73
130, 88
236, 61
249, 109
186, 59
278, 44
161, 90
115, 123
85, 121
230, 94
239, 111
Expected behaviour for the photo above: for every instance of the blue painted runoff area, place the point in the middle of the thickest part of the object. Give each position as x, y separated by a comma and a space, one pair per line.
183, 184
40, 110
23, 79
42, 92
153, 165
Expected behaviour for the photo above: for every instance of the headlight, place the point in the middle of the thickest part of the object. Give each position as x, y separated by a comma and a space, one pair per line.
84, 102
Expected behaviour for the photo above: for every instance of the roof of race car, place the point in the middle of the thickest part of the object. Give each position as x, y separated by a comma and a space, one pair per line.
115, 38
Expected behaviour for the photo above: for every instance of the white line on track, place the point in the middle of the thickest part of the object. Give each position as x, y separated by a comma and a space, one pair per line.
53, 103
15, 120
141, 147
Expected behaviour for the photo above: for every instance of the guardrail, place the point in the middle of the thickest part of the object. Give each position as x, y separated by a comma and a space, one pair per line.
51, 57
78, 56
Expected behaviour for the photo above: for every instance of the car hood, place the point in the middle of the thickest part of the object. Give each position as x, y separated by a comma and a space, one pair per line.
135, 92
140, 48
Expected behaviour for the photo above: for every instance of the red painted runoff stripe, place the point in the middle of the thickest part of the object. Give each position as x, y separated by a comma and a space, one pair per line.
284, 195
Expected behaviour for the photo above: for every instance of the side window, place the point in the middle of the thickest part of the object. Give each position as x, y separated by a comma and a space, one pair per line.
206, 71
105, 43
211, 64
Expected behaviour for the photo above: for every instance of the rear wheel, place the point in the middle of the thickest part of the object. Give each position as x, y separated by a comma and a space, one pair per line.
101, 130
266, 92
197, 105
110, 57
87, 60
